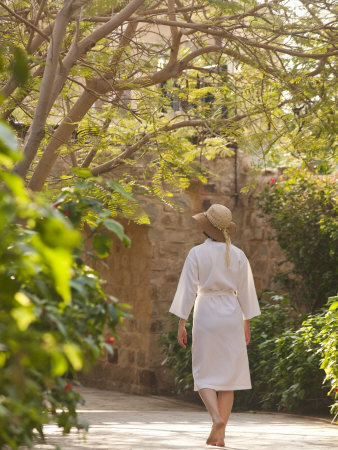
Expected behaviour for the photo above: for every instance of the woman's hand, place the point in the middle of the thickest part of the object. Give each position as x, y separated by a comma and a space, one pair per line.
247, 332
182, 334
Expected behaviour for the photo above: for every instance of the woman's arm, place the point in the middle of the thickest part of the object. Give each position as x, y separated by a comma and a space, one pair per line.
247, 332
182, 333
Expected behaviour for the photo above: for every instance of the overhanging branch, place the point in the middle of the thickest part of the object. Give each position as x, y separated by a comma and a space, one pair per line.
129, 151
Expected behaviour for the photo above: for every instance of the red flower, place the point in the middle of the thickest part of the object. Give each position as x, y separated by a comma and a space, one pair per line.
335, 390
66, 212
271, 181
68, 387
110, 340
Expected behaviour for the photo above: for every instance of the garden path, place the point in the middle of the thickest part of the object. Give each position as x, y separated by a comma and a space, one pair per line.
129, 422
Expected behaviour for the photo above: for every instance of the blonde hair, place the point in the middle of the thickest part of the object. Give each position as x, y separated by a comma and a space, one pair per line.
227, 249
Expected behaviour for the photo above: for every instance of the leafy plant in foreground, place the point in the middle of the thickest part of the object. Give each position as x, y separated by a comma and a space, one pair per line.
54, 315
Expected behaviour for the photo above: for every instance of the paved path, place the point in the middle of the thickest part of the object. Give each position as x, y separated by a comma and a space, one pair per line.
128, 422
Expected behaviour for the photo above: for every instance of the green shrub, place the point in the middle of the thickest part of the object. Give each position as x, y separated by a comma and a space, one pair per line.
285, 366
176, 357
53, 313
328, 342
295, 377
277, 316
303, 211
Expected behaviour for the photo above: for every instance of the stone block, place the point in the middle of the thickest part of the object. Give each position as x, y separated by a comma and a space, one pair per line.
183, 201
124, 339
131, 357
156, 234
142, 325
169, 220
263, 250
258, 284
209, 187
258, 233
152, 210
206, 204
259, 266
147, 378
141, 358
178, 236
156, 326
114, 357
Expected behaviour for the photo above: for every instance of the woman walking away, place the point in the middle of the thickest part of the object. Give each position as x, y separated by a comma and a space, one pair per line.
220, 274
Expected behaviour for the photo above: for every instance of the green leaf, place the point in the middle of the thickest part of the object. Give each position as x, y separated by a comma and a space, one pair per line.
113, 312
102, 243
59, 261
118, 188
114, 226
334, 305
20, 66
82, 172
24, 316
55, 233
8, 144
73, 353
118, 229
15, 184
59, 364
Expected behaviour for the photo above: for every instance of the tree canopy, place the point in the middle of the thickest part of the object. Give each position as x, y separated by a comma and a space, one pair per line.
155, 85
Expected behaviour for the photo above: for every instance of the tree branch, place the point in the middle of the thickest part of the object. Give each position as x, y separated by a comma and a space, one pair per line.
128, 152
23, 20
206, 28
36, 133
36, 21
175, 34
78, 111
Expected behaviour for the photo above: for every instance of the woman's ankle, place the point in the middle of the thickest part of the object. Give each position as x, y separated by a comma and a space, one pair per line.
218, 420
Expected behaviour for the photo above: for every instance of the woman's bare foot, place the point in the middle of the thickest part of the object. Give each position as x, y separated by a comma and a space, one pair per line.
216, 436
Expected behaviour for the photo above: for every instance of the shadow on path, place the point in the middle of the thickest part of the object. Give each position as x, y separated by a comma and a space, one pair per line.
127, 422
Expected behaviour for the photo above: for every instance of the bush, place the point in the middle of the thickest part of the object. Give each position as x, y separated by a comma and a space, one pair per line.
285, 359
53, 310
328, 343
176, 357
277, 316
302, 209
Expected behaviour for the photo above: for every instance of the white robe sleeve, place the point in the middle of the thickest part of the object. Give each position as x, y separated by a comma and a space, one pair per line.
246, 292
187, 288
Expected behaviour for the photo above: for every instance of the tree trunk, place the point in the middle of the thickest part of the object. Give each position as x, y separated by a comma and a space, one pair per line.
53, 81
60, 137
37, 130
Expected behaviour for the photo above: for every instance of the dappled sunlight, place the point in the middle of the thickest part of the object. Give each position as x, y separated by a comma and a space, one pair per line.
142, 423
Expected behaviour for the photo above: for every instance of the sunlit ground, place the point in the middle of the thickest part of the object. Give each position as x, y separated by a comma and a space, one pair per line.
120, 421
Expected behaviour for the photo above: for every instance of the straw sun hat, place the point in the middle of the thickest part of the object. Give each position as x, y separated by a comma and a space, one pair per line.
217, 223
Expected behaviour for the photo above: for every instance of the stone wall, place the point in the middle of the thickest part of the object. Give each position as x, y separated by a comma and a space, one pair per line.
146, 275
127, 272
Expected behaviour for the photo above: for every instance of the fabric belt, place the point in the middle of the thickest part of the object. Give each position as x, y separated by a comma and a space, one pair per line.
221, 292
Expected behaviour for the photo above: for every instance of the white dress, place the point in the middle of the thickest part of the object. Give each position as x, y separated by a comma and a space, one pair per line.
225, 296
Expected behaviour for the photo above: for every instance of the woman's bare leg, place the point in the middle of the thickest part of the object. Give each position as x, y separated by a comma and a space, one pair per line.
209, 398
225, 401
